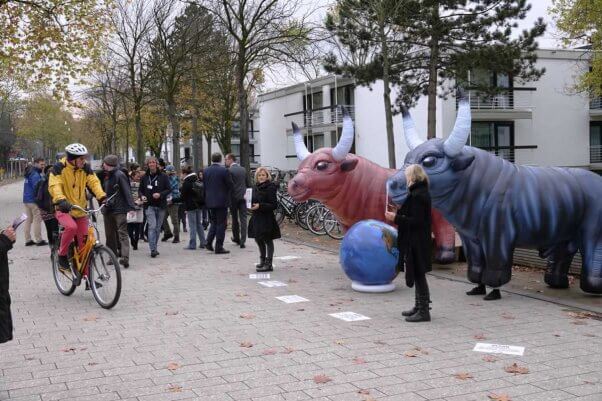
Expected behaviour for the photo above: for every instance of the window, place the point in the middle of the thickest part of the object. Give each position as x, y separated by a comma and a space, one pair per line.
314, 142
336, 135
312, 101
595, 141
344, 96
502, 99
494, 136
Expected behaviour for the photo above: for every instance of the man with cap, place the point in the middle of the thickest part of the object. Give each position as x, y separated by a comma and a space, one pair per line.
173, 205
115, 212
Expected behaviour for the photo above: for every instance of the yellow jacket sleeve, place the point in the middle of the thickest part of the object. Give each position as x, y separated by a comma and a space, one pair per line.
55, 187
93, 183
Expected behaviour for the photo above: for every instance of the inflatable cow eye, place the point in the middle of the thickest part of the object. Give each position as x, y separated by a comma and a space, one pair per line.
429, 161
322, 166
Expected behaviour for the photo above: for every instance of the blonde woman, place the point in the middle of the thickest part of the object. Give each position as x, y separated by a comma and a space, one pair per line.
413, 221
263, 226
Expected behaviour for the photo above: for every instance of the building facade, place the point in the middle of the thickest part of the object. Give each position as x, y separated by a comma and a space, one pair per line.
537, 123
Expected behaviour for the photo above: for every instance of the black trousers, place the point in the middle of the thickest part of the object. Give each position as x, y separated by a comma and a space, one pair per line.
422, 287
266, 248
217, 229
52, 227
239, 220
135, 232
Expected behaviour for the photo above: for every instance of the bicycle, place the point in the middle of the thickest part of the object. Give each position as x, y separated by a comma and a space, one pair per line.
94, 262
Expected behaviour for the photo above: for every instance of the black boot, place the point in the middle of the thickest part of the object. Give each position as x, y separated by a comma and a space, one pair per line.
493, 295
478, 290
261, 263
410, 312
422, 314
267, 267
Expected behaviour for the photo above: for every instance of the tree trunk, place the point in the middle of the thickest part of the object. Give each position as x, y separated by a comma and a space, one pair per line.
209, 140
387, 97
432, 85
175, 134
197, 138
139, 138
243, 111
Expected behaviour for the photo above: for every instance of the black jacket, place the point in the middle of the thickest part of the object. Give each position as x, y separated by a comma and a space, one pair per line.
6, 321
152, 184
218, 186
262, 224
189, 198
123, 201
413, 221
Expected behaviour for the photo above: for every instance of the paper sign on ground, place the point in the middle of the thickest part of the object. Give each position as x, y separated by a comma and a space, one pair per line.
288, 257
292, 299
349, 316
261, 276
499, 349
272, 283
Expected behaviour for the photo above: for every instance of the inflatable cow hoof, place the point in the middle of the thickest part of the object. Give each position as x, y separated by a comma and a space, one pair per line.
592, 285
445, 256
556, 280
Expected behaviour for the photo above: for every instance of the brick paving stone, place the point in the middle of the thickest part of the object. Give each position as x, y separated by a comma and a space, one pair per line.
186, 308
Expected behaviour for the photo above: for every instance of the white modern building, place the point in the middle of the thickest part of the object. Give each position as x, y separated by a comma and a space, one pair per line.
540, 123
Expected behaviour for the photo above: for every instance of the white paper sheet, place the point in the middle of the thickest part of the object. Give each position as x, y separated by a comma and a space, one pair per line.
499, 349
292, 299
349, 316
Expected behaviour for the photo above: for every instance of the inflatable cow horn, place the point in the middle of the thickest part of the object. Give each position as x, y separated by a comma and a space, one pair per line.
344, 145
409, 129
459, 135
300, 147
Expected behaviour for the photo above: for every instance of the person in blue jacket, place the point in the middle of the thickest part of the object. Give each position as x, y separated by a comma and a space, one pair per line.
33, 175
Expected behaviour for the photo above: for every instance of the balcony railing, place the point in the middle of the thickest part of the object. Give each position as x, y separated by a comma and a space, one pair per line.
595, 103
320, 117
507, 152
595, 154
505, 99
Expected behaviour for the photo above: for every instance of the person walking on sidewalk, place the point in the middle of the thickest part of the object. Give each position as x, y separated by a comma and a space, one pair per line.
115, 212
413, 222
238, 208
263, 226
7, 239
173, 206
193, 197
218, 186
135, 218
33, 175
154, 190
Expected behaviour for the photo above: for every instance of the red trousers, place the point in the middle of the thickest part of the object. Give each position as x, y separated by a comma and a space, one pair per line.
72, 227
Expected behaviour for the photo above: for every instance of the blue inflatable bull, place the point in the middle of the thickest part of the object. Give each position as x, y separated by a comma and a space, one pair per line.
496, 206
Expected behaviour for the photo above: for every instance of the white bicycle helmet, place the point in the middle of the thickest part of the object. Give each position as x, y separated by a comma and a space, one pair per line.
76, 149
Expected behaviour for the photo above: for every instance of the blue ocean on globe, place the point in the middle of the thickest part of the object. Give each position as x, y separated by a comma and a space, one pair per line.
368, 253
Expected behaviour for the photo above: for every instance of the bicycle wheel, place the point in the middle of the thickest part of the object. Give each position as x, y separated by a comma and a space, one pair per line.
279, 214
333, 227
315, 219
104, 276
63, 280
300, 214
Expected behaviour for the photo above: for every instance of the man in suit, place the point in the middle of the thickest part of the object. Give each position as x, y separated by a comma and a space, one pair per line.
218, 188
238, 208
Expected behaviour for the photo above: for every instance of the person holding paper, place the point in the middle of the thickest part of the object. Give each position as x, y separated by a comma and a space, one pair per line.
263, 226
238, 207
7, 239
413, 222
193, 198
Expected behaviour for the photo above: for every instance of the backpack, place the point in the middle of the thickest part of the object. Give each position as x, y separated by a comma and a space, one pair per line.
42, 196
198, 191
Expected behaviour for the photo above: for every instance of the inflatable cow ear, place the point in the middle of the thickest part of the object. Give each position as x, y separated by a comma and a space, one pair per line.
300, 147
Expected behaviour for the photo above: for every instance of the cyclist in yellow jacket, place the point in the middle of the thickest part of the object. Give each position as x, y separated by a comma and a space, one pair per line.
67, 185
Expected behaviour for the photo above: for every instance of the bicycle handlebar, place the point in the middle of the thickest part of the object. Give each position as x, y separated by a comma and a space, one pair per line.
94, 211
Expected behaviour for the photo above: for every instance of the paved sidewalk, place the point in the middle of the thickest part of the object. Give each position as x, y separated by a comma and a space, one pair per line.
192, 325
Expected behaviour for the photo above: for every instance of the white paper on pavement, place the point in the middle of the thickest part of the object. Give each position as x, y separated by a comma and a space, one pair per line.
499, 349
271, 284
292, 299
349, 316
260, 276
288, 257
248, 197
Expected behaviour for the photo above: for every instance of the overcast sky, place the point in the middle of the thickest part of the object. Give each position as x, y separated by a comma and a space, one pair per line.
539, 8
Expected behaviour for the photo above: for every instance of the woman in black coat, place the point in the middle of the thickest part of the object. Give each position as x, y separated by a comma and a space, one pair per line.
263, 226
413, 222
7, 239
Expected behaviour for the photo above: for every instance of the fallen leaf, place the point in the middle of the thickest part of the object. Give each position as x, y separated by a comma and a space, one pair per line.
490, 358
379, 342
246, 344
479, 336
288, 350
30, 358
359, 361
476, 304
269, 351
556, 335
422, 351
588, 382
83, 349
70, 349
247, 316
514, 368
507, 316
463, 376
339, 342
320, 379
589, 335
173, 366
171, 313
91, 318
300, 310
364, 392
499, 397
579, 323
92, 363
242, 294
411, 354
174, 388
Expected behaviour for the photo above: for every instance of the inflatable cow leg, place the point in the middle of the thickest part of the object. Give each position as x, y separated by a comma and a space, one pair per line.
445, 239
591, 271
474, 259
559, 260
498, 248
